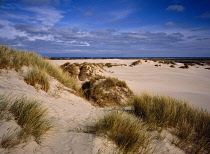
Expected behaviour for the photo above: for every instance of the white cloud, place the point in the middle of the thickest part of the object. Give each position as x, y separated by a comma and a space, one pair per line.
47, 16
170, 23
178, 8
205, 15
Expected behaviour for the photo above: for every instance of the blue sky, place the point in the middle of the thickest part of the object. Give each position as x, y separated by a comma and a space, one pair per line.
107, 28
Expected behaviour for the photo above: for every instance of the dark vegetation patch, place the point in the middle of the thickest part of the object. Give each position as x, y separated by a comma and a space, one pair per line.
105, 91
167, 62
185, 66
135, 63
189, 61
113, 64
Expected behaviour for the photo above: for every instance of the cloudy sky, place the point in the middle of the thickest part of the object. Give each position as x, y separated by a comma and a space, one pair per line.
107, 28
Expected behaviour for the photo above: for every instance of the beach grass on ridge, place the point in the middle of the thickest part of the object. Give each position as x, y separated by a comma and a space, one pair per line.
16, 59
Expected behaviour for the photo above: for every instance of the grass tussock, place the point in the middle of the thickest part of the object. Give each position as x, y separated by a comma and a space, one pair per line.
105, 91
16, 59
127, 131
186, 66
192, 125
135, 63
29, 115
37, 77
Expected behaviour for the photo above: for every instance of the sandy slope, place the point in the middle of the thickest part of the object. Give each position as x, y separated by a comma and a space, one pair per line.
70, 114
191, 84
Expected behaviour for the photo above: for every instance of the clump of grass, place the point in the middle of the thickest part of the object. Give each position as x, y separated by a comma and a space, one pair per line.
172, 66
16, 59
36, 76
127, 131
31, 116
136, 63
191, 124
106, 91
72, 69
186, 66
9, 141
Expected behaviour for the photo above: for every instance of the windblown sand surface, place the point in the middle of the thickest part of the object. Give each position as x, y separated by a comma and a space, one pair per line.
191, 84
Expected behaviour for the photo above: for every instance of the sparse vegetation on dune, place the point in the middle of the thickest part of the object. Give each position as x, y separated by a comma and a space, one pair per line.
105, 91
113, 64
38, 79
167, 62
191, 125
127, 131
135, 63
29, 115
16, 59
186, 66
83, 71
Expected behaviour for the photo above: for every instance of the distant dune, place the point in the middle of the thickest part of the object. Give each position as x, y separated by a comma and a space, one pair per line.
190, 84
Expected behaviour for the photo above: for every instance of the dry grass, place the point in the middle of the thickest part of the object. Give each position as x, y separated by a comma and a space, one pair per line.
192, 125
186, 66
9, 141
136, 63
29, 115
106, 91
36, 76
127, 131
16, 59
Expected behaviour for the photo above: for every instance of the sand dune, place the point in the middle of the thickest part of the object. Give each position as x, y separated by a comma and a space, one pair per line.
191, 84
72, 114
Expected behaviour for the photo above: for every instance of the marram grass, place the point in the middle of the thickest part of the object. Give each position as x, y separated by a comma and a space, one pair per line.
29, 115
36, 77
16, 59
192, 125
127, 131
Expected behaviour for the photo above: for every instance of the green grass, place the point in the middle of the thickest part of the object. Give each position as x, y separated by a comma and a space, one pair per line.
127, 131
105, 91
16, 59
29, 115
191, 124
35, 76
